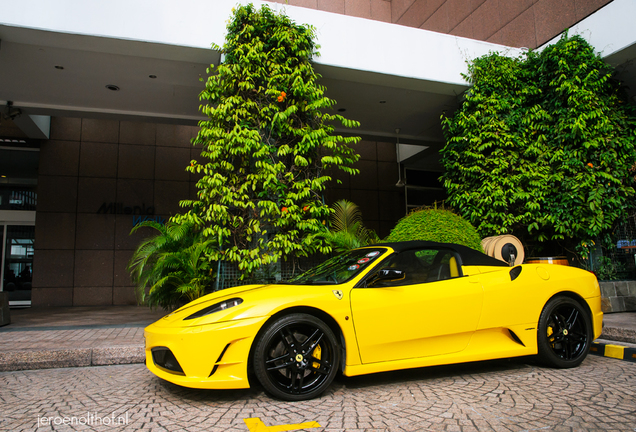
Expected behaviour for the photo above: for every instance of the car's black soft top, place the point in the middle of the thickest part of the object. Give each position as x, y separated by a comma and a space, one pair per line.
470, 257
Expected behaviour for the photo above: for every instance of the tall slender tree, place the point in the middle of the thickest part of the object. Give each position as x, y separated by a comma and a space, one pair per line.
265, 144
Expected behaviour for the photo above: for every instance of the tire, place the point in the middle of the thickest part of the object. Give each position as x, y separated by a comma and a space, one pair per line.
296, 357
565, 333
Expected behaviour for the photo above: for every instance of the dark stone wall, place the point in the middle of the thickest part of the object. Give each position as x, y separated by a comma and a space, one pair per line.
618, 296
382, 203
517, 23
81, 252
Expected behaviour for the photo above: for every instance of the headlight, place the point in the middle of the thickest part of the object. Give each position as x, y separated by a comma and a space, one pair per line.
225, 304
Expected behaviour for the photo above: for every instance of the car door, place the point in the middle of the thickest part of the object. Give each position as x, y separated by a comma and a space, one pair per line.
431, 310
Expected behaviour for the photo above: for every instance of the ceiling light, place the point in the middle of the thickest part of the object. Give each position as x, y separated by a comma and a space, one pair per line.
11, 112
112, 87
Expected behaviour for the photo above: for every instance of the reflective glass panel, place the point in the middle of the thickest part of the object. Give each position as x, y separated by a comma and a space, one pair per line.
18, 262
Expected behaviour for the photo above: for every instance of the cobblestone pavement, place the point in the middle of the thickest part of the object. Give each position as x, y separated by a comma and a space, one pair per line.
504, 395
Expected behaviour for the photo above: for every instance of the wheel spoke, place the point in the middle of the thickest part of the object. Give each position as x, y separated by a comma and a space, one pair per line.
559, 322
286, 362
292, 385
300, 381
297, 380
579, 337
557, 338
280, 366
565, 349
324, 368
572, 319
274, 360
571, 348
286, 333
314, 338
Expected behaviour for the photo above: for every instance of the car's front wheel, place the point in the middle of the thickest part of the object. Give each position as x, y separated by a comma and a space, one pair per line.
296, 357
565, 333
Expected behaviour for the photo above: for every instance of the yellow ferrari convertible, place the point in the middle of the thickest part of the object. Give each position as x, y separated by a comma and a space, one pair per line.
385, 307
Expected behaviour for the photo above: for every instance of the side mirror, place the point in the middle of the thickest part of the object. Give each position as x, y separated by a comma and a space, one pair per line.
386, 275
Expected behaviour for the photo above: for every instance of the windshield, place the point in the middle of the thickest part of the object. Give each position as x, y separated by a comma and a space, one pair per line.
339, 269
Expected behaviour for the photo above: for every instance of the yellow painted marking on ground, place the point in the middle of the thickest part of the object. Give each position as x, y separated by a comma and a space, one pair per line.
256, 425
614, 351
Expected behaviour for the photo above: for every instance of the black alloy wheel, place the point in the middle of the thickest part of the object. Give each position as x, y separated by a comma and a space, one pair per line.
565, 333
296, 357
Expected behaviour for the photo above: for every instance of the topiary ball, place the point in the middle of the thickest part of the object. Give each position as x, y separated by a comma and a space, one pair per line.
436, 225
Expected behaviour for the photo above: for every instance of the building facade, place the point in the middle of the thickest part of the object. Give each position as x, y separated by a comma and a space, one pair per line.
98, 114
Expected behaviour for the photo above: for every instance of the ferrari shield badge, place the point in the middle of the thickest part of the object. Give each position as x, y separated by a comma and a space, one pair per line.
338, 294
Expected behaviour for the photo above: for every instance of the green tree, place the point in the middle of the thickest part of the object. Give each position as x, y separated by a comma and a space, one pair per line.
174, 264
265, 144
542, 147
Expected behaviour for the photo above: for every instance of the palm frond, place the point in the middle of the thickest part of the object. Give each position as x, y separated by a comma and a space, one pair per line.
174, 263
346, 228
345, 216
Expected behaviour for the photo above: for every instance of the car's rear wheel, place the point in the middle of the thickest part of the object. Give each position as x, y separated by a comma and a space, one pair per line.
296, 357
565, 333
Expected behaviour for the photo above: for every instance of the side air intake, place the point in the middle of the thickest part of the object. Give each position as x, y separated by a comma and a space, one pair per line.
515, 272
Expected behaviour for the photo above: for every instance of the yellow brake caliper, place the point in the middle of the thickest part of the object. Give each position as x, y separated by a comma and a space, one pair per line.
550, 333
316, 354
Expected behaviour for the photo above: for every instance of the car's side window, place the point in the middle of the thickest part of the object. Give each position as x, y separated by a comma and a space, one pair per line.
444, 266
420, 266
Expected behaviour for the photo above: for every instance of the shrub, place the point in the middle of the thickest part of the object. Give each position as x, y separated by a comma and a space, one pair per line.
606, 269
174, 264
436, 225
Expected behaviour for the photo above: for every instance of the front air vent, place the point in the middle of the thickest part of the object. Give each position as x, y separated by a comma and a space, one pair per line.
165, 359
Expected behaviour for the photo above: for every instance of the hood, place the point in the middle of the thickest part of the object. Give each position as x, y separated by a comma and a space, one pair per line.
258, 301
205, 301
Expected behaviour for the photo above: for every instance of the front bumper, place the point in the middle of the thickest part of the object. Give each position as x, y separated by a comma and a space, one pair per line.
212, 356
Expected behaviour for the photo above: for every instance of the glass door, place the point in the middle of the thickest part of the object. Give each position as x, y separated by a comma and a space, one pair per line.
19, 163
17, 269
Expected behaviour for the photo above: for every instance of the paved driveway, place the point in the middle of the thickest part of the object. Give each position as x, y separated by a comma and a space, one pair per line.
506, 395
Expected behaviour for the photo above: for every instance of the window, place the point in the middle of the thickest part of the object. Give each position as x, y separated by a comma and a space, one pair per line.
421, 266
339, 269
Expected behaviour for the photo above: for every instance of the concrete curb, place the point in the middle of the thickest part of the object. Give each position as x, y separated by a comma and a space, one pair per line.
76, 357
615, 342
83, 357
619, 334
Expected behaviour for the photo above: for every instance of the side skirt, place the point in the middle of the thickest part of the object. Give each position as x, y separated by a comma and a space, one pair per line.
489, 344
